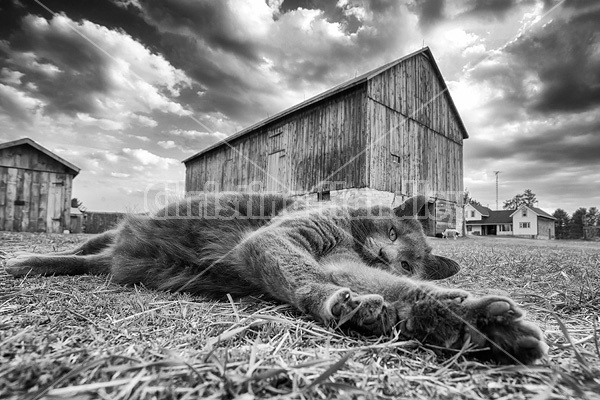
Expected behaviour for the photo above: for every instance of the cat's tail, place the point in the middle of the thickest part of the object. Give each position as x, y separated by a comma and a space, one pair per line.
52, 264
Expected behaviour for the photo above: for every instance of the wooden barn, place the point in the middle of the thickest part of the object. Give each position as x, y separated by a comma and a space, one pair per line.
385, 135
35, 188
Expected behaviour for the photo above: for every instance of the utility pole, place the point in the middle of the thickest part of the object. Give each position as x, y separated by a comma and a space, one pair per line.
497, 172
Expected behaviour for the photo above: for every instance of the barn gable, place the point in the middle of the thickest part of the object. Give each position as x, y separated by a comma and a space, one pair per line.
35, 188
27, 154
415, 133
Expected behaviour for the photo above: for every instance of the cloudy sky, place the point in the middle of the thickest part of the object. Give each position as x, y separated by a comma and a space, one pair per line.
126, 89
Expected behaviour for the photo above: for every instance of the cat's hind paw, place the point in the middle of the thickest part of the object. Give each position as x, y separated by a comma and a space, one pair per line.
17, 267
493, 324
498, 324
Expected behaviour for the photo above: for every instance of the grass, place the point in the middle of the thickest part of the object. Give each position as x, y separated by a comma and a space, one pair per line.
86, 338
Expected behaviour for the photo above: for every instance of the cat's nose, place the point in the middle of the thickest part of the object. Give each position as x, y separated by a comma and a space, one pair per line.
384, 256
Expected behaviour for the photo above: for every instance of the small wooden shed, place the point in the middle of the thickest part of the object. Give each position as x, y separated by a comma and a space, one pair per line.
388, 134
35, 188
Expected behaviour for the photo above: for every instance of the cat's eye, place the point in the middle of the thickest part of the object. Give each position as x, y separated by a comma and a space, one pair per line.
392, 234
406, 266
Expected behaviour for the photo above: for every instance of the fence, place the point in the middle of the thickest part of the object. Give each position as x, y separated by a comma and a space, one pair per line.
97, 222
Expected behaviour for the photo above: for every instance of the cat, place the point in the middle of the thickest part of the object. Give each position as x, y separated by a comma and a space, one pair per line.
364, 267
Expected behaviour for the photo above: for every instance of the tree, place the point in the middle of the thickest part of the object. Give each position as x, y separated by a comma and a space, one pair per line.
75, 203
527, 198
467, 199
577, 223
562, 223
592, 217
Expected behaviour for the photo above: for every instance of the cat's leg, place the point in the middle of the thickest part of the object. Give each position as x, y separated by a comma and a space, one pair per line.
51, 264
287, 271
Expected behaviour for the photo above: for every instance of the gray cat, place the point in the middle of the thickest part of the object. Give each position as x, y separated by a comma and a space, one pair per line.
361, 267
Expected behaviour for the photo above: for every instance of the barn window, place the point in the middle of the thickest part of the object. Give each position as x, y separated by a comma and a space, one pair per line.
324, 196
276, 141
395, 158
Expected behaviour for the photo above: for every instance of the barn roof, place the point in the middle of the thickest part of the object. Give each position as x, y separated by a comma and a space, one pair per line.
339, 89
41, 149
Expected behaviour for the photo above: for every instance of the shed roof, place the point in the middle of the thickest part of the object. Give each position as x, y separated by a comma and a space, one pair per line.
339, 89
30, 142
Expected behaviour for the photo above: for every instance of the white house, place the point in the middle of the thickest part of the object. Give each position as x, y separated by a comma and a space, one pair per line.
530, 222
534, 222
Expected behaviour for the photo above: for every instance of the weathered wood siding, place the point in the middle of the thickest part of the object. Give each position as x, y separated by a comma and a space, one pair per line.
415, 138
321, 143
35, 191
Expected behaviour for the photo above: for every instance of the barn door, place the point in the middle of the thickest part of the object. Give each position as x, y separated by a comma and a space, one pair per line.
276, 180
275, 172
56, 199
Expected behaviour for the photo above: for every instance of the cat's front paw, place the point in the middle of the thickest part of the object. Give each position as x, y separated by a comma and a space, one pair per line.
363, 311
492, 323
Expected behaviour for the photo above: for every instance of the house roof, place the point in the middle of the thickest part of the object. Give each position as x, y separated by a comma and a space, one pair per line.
538, 211
339, 89
481, 209
495, 218
30, 142
503, 216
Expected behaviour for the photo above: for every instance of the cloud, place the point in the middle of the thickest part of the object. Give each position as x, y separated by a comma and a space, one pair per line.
197, 134
10, 77
492, 8
255, 58
18, 104
119, 175
548, 70
167, 144
191, 141
82, 68
429, 11
145, 158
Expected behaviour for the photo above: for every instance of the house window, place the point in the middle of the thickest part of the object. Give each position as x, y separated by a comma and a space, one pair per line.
472, 214
505, 228
524, 212
469, 228
524, 225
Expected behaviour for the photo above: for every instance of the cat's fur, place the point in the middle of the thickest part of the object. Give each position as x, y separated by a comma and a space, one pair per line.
362, 267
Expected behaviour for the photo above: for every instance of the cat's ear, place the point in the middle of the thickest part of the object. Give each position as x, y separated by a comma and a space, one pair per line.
438, 267
411, 207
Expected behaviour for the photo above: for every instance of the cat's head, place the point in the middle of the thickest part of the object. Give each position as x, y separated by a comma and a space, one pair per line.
393, 239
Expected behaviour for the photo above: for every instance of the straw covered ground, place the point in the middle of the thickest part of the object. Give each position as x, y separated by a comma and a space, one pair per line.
85, 337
